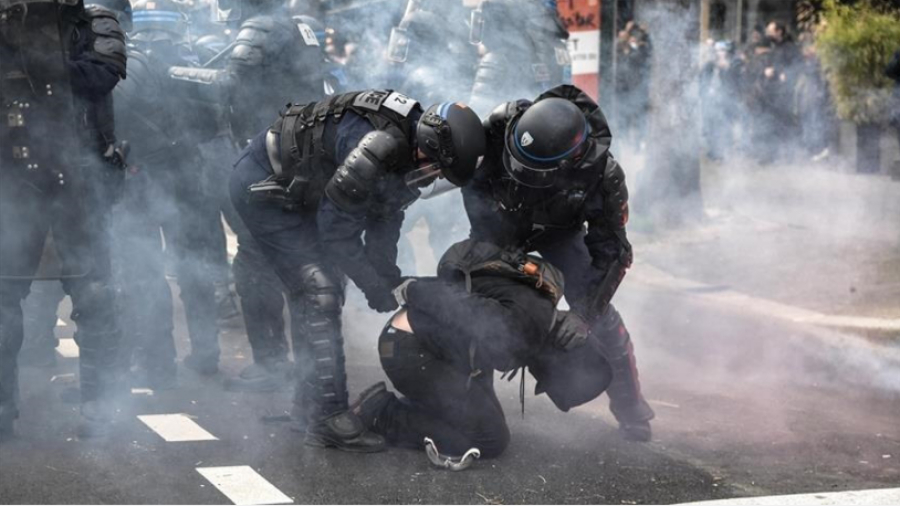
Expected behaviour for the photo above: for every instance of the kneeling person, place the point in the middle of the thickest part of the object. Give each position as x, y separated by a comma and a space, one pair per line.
487, 310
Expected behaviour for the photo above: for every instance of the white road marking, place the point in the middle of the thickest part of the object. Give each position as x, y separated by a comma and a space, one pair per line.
848, 498
67, 348
61, 323
141, 391
243, 485
176, 428
652, 276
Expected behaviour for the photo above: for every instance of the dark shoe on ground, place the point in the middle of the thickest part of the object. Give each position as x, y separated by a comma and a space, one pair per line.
261, 378
344, 431
162, 382
370, 403
299, 420
96, 420
156, 378
634, 420
7, 423
636, 431
41, 358
206, 366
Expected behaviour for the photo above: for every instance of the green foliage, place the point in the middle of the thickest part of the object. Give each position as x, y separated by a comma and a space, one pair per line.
854, 43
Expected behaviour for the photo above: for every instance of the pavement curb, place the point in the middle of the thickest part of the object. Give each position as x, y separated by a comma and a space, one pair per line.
850, 497
652, 276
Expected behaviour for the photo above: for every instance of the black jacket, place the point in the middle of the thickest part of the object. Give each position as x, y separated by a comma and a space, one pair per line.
482, 312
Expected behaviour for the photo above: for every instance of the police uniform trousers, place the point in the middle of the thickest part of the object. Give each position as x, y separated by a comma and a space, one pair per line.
315, 290
568, 252
77, 212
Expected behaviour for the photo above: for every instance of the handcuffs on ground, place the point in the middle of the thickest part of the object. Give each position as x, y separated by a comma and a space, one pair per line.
447, 462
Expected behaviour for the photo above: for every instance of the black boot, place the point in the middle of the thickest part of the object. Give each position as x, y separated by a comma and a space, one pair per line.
625, 399
370, 404
8, 415
626, 402
344, 431
203, 365
265, 377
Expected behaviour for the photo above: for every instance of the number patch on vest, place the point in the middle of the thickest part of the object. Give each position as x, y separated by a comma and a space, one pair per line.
399, 103
309, 36
376, 99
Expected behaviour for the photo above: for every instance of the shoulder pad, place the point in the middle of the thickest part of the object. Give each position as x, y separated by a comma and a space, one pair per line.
142, 83
382, 147
354, 180
264, 22
109, 38
615, 193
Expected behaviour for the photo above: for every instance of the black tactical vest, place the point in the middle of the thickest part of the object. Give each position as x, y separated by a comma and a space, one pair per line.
302, 127
36, 95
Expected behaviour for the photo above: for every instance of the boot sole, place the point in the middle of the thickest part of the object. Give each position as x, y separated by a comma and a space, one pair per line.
325, 442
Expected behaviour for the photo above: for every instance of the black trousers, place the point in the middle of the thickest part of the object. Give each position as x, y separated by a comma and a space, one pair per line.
289, 243
77, 213
145, 299
567, 251
440, 402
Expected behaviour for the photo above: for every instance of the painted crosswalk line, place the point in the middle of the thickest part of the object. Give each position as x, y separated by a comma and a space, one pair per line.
176, 428
243, 485
848, 498
67, 348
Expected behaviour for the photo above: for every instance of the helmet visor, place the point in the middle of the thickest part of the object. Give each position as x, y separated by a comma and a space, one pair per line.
423, 177
531, 176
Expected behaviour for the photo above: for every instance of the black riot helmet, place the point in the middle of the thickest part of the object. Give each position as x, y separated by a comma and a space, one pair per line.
548, 137
156, 20
452, 136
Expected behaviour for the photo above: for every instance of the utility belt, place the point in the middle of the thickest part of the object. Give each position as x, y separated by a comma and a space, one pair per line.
292, 193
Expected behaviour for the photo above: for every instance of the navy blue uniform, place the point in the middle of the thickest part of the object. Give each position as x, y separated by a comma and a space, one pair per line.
551, 221
52, 177
349, 225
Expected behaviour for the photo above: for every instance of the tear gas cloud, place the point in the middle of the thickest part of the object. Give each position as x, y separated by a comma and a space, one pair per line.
791, 199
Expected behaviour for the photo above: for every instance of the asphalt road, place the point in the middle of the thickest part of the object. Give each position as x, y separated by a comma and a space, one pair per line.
744, 407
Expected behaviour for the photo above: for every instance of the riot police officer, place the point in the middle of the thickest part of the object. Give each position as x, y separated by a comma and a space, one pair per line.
276, 57
165, 192
525, 51
547, 172
309, 187
60, 168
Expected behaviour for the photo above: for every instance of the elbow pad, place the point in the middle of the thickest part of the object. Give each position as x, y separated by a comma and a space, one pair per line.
354, 181
615, 194
109, 38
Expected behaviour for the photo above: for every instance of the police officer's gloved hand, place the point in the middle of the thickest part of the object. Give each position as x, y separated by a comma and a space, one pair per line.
570, 330
400, 291
381, 299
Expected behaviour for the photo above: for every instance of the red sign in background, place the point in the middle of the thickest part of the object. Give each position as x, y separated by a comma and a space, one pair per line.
582, 19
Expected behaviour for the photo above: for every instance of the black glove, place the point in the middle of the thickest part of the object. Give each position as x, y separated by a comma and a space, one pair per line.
570, 331
400, 291
381, 299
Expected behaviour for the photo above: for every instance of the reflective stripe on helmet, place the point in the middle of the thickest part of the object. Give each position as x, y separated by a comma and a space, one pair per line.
581, 140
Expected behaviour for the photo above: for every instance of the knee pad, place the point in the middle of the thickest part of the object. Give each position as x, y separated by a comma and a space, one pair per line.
322, 289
